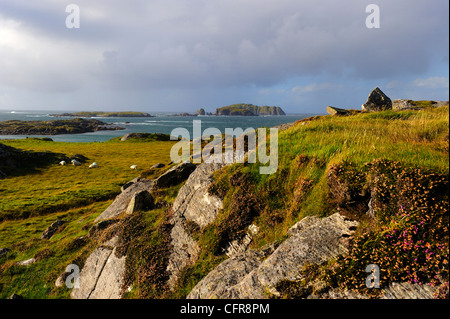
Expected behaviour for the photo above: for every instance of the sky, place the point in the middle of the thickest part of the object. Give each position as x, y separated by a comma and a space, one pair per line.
182, 55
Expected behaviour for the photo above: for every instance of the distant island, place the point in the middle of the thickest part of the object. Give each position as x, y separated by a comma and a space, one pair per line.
54, 127
249, 110
103, 114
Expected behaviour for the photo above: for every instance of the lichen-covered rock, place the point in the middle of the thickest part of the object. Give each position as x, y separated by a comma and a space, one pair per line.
404, 290
193, 200
193, 203
312, 241
399, 104
122, 200
227, 274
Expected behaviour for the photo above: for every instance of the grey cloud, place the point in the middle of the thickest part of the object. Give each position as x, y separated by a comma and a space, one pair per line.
200, 44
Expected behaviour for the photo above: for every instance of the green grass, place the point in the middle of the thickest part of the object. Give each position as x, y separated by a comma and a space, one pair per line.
23, 238
385, 152
54, 188
34, 199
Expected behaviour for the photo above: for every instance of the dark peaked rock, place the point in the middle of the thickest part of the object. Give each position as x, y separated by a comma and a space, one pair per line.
377, 101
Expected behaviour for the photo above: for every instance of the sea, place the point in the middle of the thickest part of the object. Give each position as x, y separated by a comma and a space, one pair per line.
162, 122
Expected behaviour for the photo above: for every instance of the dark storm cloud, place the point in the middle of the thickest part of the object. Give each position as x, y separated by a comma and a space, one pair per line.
186, 45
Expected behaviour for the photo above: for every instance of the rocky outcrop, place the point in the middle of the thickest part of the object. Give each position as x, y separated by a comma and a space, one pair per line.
200, 111
158, 165
174, 175
122, 200
377, 101
251, 275
399, 105
193, 203
404, 290
27, 262
102, 274
336, 111
239, 246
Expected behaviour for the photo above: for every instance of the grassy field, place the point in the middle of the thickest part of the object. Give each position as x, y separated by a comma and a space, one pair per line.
69, 186
30, 203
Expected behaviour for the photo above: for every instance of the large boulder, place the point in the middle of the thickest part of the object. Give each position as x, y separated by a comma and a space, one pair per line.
377, 101
122, 201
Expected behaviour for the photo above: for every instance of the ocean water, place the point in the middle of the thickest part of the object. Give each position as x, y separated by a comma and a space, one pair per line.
161, 123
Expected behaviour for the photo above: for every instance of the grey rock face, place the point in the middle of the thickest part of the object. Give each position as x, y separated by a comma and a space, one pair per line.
407, 290
27, 262
193, 203
377, 101
398, 105
141, 200
239, 246
158, 165
101, 276
311, 241
336, 111
227, 274
122, 200
185, 251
